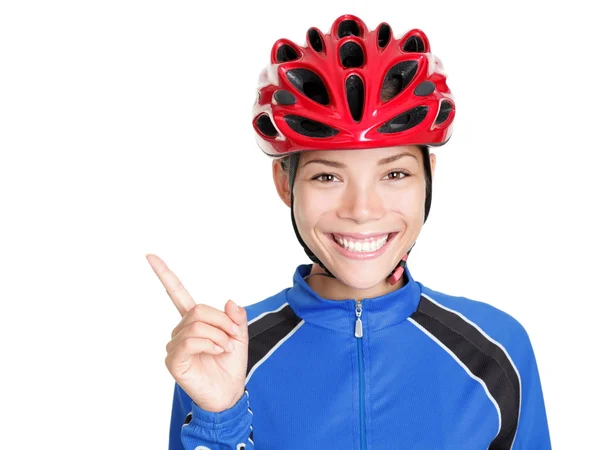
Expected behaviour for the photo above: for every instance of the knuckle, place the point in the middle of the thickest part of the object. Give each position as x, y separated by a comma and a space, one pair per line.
198, 328
187, 344
199, 308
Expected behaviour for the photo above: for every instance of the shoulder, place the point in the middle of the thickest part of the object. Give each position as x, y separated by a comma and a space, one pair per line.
476, 318
272, 304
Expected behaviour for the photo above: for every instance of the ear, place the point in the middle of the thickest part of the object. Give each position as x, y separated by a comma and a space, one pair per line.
432, 163
282, 183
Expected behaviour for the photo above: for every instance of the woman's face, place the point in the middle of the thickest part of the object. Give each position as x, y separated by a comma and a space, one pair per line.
340, 195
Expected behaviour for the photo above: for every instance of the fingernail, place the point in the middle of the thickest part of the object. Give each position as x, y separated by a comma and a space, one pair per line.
236, 330
219, 349
237, 308
230, 346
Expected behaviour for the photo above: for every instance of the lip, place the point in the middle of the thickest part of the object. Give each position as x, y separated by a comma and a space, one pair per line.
363, 235
361, 256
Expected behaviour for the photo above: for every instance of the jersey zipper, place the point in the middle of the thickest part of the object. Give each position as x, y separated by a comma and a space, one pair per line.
358, 333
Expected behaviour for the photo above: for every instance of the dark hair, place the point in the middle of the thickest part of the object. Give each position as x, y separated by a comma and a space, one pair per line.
285, 163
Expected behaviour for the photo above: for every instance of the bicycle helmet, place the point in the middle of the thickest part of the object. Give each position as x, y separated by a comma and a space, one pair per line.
352, 88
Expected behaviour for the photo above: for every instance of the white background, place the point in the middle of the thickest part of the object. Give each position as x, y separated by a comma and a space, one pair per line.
125, 130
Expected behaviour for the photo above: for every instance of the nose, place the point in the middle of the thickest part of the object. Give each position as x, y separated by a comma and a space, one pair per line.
361, 203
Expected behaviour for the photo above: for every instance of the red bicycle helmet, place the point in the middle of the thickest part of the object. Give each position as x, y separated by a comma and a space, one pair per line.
352, 89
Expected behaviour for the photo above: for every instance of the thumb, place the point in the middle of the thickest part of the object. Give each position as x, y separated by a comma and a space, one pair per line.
238, 315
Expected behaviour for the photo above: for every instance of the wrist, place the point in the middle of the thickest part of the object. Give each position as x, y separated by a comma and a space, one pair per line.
211, 419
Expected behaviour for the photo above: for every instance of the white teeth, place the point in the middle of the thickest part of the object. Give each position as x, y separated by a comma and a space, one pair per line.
361, 246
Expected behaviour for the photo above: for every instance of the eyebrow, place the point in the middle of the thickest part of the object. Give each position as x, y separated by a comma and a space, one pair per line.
340, 165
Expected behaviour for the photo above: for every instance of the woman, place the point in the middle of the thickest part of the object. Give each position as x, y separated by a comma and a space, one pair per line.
362, 356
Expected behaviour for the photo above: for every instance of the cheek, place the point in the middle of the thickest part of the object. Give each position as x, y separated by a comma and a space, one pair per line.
409, 201
311, 205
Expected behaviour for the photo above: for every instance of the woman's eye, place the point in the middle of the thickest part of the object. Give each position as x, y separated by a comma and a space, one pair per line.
400, 174
328, 176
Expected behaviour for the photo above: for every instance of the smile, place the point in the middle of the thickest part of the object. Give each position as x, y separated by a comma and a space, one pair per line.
371, 247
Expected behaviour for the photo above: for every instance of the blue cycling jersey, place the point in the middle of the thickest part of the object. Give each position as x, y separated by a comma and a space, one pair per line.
411, 369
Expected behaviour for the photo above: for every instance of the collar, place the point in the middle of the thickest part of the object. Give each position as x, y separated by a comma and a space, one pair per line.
340, 315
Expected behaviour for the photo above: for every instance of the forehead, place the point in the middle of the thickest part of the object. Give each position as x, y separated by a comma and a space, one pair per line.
362, 156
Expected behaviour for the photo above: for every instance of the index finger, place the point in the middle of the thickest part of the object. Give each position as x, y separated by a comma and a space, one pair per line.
181, 297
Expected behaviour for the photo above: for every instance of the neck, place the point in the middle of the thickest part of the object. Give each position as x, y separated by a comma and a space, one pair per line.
333, 289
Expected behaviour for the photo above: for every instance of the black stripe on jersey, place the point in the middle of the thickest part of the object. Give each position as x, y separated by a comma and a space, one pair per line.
266, 332
485, 359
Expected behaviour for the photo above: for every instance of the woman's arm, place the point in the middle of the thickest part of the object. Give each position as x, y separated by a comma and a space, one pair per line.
532, 429
193, 428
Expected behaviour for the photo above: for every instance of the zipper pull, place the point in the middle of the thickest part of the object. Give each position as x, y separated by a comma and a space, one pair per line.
358, 331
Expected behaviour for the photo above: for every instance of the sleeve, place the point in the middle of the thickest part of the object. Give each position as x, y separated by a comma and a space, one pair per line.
532, 428
193, 428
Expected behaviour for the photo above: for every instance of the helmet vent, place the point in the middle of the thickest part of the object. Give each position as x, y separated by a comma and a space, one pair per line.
414, 44
348, 28
286, 53
355, 93
445, 110
404, 121
310, 84
383, 35
351, 55
284, 97
424, 88
266, 127
397, 78
310, 128
314, 39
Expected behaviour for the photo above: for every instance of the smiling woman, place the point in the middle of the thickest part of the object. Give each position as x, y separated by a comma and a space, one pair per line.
363, 356
358, 212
